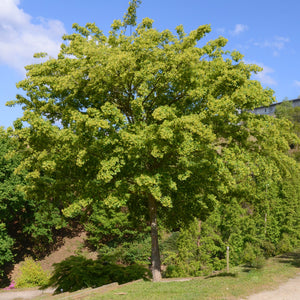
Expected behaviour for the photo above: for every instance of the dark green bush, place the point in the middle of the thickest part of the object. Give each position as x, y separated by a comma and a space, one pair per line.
77, 272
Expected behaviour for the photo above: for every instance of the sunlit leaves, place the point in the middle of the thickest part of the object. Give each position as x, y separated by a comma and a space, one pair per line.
124, 117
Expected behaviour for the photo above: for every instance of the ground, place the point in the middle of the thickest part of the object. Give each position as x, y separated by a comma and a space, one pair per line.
287, 291
70, 246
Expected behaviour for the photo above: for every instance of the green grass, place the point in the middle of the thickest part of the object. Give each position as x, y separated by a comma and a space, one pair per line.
239, 283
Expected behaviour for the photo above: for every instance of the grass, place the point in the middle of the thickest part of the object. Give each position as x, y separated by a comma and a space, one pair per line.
239, 283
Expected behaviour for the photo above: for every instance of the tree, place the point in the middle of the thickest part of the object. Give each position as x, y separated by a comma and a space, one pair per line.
22, 223
286, 110
151, 121
12, 202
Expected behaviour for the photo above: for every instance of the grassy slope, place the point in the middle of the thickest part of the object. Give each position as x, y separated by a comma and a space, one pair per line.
239, 283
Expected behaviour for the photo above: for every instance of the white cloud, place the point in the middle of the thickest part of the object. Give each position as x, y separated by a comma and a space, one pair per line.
264, 76
239, 28
276, 44
297, 83
20, 37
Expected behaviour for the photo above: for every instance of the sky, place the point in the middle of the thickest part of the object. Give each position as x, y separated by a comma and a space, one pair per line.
266, 32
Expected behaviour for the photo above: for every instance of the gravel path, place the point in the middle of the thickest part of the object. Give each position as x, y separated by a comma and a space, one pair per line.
287, 291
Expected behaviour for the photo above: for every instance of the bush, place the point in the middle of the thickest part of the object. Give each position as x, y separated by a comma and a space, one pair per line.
284, 245
252, 256
31, 274
268, 248
77, 272
173, 271
189, 253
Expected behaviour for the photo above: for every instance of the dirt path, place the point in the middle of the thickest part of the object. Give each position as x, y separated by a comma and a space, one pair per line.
287, 291
25, 294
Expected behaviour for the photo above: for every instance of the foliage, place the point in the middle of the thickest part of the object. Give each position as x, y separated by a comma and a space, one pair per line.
194, 252
252, 256
253, 228
156, 122
77, 272
25, 221
137, 251
6, 247
112, 227
24, 224
285, 110
11, 201
285, 244
31, 274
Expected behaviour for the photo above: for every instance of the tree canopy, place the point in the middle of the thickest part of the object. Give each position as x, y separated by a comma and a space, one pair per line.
23, 223
157, 122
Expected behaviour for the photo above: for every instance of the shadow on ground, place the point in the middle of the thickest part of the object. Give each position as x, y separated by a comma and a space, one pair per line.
290, 258
222, 274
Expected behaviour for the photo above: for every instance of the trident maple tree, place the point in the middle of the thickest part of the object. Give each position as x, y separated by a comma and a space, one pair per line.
150, 121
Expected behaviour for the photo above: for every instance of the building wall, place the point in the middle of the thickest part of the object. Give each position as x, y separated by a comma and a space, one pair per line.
270, 110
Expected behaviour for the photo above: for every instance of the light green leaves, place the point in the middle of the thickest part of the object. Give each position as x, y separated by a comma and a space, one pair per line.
77, 208
125, 117
164, 113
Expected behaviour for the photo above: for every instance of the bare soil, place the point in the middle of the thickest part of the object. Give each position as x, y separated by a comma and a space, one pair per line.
69, 246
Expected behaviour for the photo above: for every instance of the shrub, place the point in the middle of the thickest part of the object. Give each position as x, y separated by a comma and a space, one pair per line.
31, 274
268, 248
285, 244
190, 252
77, 272
252, 256
173, 271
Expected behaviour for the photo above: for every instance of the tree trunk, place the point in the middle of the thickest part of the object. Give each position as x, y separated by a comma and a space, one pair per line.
155, 256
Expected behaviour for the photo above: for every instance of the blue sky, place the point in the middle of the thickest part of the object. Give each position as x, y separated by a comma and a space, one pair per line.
266, 32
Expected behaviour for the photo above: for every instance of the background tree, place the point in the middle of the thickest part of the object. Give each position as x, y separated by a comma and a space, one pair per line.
155, 122
25, 228
9, 201
286, 111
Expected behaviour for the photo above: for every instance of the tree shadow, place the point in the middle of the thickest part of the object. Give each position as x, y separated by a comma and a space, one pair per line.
222, 274
247, 269
292, 258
